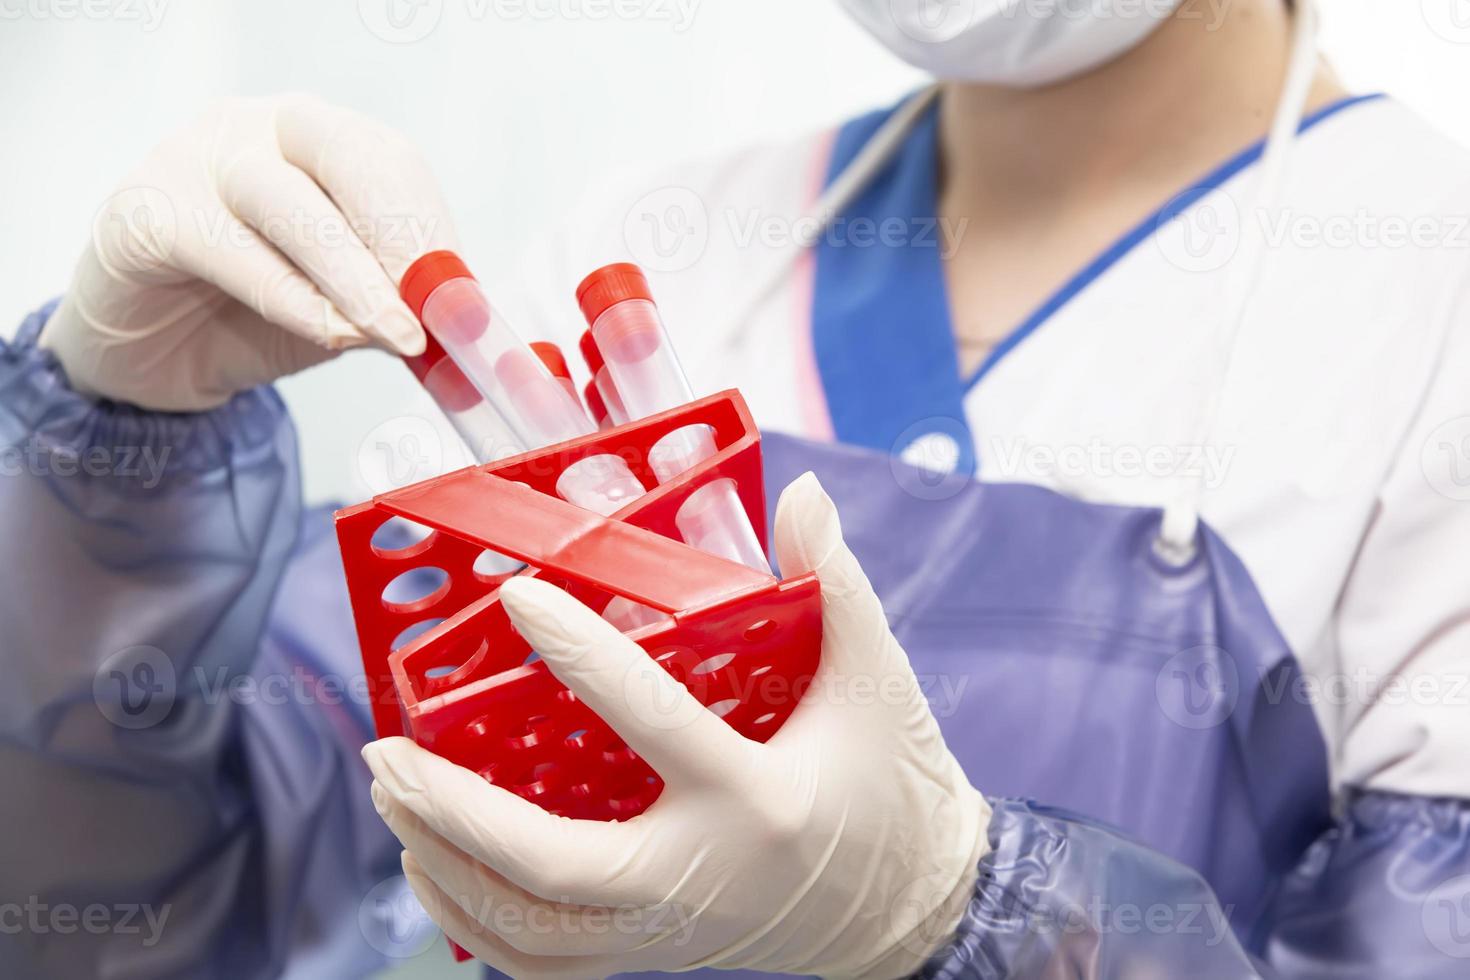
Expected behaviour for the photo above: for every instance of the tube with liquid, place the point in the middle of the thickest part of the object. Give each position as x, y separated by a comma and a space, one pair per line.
631, 345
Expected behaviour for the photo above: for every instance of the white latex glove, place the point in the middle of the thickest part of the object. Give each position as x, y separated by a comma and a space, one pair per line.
262, 239
847, 845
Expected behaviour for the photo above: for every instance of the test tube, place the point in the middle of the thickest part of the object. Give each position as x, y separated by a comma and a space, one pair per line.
482, 428
556, 363
617, 414
630, 343
595, 406
538, 408
476, 421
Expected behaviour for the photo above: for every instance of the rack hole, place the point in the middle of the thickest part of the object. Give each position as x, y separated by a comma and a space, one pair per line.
713, 663
765, 718
414, 632
491, 564
723, 708
759, 630
397, 535
415, 585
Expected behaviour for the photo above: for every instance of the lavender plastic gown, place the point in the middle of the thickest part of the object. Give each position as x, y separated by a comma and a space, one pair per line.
1066, 664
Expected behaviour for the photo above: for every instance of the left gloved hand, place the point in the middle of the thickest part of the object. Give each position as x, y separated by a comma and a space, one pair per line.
847, 845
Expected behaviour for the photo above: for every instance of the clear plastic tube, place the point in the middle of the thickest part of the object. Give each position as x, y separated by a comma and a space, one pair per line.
498, 391
635, 352
478, 424
602, 383
539, 409
474, 419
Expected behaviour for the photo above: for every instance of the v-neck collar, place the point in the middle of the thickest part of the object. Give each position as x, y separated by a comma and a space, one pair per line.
881, 327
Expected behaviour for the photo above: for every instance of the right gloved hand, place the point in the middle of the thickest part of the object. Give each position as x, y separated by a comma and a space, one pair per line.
262, 239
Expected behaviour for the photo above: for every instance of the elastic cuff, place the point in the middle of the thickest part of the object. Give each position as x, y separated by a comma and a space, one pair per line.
45, 423
995, 907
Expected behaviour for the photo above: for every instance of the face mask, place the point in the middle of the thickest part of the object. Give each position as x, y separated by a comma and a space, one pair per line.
1018, 43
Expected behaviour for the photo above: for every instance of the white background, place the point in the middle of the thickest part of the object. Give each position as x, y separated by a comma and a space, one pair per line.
519, 104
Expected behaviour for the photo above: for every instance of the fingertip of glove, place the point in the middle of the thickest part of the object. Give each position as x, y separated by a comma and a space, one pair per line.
807, 526
524, 595
401, 332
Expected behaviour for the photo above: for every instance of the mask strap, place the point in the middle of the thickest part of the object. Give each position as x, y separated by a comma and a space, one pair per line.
813, 223
1179, 528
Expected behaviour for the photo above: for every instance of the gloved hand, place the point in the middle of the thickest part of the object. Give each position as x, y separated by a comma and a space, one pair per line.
262, 239
847, 845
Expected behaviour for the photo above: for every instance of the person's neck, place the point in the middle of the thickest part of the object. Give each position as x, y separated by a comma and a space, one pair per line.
1203, 85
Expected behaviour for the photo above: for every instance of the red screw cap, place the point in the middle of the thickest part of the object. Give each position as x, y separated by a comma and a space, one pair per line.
590, 353
595, 403
610, 285
428, 272
551, 356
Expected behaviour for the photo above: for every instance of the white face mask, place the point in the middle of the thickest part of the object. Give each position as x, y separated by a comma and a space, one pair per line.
1019, 43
